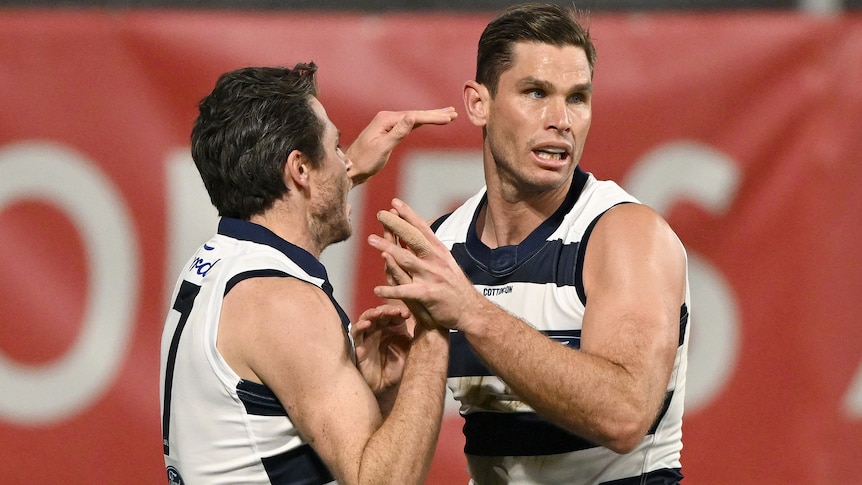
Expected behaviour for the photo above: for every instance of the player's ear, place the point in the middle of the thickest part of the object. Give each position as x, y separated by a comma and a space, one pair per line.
296, 170
476, 101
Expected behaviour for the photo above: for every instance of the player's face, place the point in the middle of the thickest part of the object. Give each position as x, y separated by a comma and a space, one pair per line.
329, 210
538, 121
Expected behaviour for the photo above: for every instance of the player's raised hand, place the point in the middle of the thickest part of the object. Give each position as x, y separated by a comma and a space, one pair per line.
372, 148
433, 278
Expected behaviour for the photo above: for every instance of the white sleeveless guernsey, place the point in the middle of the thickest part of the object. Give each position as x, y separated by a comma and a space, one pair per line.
540, 281
216, 427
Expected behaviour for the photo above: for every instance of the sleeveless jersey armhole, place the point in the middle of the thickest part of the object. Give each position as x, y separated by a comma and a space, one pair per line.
269, 273
262, 273
582, 251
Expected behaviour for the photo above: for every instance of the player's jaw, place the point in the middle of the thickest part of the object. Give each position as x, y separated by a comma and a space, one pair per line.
330, 213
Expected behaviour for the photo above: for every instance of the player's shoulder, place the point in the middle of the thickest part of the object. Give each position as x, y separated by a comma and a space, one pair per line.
633, 223
633, 212
281, 294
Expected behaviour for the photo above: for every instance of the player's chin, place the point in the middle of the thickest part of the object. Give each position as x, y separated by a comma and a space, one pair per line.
546, 181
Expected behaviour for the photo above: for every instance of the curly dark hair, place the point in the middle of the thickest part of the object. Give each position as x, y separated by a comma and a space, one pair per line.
528, 22
247, 126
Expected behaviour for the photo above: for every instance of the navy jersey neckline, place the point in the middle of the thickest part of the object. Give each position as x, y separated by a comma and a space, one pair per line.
504, 259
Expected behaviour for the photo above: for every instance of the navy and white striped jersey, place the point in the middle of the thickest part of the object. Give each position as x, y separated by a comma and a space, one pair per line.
540, 281
218, 428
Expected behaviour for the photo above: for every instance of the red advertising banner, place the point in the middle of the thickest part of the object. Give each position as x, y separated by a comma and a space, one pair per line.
744, 130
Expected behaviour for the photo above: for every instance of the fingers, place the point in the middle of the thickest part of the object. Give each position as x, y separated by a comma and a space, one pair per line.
377, 318
382, 314
419, 117
439, 116
397, 277
407, 233
395, 274
399, 262
410, 120
409, 215
391, 292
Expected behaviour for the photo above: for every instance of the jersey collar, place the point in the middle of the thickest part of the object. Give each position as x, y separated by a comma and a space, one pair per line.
249, 231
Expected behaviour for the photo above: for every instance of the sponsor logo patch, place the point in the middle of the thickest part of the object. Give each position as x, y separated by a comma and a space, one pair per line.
502, 290
174, 477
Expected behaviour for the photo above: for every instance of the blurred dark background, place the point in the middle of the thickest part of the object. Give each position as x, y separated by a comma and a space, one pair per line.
816, 6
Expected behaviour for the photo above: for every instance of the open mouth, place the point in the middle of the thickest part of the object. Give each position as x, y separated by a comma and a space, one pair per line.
551, 154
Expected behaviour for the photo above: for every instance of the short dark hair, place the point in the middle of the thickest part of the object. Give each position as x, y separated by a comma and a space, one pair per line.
528, 22
247, 126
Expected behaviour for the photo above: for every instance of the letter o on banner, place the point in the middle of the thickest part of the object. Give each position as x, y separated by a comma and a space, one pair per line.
54, 174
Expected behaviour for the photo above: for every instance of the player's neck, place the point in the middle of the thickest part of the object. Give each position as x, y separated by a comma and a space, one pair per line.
290, 224
508, 218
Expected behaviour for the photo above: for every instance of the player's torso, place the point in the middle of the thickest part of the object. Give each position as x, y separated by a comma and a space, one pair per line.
219, 428
540, 282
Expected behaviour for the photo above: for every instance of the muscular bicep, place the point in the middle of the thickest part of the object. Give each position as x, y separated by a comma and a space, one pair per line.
298, 348
634, 280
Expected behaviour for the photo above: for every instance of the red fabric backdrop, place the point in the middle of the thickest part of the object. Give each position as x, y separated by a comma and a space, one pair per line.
744, 129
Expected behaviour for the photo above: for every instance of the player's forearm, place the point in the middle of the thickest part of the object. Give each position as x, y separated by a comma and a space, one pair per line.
401, 449
585, 394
